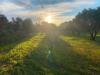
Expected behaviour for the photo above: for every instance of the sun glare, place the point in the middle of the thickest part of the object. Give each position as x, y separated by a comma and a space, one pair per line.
48, 19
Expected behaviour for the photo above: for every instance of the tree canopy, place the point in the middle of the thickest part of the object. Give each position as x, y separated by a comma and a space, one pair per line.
86, 21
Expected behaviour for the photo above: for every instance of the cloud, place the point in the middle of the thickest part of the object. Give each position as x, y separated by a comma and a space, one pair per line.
40, 2
57, 9
61, 10
23, 3
9, 6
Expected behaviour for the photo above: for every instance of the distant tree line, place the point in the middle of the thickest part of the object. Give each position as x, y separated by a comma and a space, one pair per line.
87, 21
17, 29
14, 30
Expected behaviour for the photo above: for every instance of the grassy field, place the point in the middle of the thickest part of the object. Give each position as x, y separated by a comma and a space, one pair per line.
88, 52
52, 55
15, 56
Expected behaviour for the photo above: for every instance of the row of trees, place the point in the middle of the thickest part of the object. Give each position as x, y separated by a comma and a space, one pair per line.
14, 30
18, 29
87, 21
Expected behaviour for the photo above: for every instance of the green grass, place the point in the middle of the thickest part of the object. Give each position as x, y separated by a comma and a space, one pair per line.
8, 42
87, 50
16, 55
84, 47
53, 55
6, 48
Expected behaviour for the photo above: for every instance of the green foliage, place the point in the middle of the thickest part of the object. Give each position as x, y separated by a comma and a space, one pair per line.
15, 30
87, 54
15, 56
86, 21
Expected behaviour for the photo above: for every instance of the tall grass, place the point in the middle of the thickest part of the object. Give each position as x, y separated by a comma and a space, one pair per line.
84, 47
16, 55
87, 50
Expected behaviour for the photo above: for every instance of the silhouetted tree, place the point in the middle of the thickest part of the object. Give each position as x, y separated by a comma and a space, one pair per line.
28, 26
3, 22
88, 20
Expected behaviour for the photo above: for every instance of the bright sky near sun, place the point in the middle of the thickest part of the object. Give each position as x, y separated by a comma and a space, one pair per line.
49, 19
55, 11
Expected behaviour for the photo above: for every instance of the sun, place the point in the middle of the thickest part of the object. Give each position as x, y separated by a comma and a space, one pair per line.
48, 19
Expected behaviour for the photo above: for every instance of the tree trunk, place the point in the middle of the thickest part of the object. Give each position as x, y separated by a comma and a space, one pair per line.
93, 36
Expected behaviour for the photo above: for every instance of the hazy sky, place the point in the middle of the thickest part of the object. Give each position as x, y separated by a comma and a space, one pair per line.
60, 10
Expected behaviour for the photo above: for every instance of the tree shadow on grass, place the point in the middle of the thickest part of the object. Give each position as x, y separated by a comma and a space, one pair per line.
14, 59
6, 47
87, 66
54, 56
61, 61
